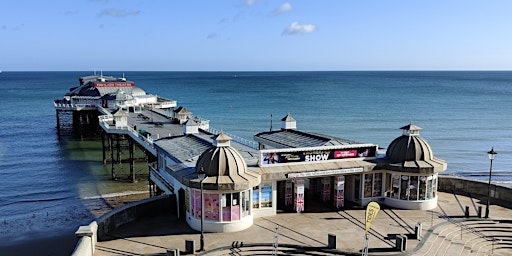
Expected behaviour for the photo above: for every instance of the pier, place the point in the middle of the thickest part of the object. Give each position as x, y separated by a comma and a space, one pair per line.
128, 117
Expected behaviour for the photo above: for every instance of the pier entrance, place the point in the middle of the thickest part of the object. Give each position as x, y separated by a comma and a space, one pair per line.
321, 194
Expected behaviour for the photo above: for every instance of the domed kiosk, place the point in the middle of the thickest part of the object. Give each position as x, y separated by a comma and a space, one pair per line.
222, 198
411, 176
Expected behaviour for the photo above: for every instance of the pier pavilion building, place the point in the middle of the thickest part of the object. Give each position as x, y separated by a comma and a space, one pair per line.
291, 170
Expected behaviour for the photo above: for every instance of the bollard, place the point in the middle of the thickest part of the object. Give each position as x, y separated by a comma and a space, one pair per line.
466, 213
403, 243
190, 246
331, 241
399, 243
417, 231
479, 211
173, 251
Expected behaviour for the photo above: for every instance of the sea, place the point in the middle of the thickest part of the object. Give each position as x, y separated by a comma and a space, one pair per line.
50, 184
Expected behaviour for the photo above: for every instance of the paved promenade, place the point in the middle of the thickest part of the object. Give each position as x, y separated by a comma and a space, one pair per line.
445, 231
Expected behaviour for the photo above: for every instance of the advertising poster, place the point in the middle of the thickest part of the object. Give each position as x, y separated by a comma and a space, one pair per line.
268, 158
256, 197
211, 206
266, 194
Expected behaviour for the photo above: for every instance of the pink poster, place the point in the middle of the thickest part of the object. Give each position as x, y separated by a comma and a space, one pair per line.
235, 212
211, 206
196, 204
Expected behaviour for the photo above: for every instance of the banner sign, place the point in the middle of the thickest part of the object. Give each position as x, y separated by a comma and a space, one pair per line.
324, 173
371, 212
316, 155
114, 84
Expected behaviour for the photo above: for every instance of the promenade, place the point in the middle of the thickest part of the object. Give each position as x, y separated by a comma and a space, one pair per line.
445, 231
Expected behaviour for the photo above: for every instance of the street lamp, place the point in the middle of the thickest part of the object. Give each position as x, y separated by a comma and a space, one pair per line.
492, 154
201, 175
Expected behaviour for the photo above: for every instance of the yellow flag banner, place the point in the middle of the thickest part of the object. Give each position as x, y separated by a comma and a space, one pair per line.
371, 212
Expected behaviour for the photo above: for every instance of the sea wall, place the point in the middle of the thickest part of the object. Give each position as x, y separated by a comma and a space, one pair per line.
501, 195
102, 226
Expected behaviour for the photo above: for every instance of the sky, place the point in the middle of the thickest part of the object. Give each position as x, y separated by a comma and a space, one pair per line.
255, 35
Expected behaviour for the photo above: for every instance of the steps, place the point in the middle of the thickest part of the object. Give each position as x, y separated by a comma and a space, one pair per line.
468, 237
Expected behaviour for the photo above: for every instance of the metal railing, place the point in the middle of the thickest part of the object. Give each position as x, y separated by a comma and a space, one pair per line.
238, 139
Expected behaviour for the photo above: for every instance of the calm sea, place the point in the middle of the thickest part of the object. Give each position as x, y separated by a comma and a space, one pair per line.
45, 181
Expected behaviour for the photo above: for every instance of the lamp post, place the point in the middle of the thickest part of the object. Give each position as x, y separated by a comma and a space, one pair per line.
492, 154
201, 175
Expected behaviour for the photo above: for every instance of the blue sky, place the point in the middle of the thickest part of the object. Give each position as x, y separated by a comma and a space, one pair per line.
254, 35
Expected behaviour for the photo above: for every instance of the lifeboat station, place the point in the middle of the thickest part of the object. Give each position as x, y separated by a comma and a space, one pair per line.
222, 182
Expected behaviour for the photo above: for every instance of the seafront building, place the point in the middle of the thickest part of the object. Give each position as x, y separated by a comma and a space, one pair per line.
223, 182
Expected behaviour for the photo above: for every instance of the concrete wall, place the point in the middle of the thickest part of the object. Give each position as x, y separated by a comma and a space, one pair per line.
98, 229
131, 212
471, 187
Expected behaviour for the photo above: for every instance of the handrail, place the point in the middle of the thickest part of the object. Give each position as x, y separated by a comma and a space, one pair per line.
243, 141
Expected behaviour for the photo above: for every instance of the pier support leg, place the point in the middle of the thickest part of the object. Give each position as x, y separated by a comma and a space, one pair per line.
118, 147
112, 157
132, 160
103, 147
58, 121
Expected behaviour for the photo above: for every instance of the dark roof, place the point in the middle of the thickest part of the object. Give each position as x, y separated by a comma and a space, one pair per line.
298, 139
184, 148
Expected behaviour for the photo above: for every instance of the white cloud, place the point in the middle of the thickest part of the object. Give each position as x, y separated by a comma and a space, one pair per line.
296, 28
284, 8
117, 13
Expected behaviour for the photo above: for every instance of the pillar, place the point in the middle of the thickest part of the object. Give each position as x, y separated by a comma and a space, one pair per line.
132, 160
58, 121
298, 203
111, 146
339, 191
103, 147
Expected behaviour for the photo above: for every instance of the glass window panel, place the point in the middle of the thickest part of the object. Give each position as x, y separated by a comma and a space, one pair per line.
377, 184
413, 186
405, 191
368, 181
396, 186
422, 188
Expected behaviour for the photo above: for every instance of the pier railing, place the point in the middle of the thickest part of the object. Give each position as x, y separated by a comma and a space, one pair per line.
238, 139
107, 122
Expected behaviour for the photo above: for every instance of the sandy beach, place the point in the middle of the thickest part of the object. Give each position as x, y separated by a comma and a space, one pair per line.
64, 242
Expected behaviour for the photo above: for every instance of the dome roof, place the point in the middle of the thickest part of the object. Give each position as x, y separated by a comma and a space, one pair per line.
410, 152
225, 168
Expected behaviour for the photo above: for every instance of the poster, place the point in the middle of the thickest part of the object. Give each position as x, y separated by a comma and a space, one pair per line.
266, 194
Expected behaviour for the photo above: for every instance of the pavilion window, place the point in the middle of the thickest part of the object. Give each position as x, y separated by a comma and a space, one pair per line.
377, 184
434, 185
396, 185
430, 193
405, 191
368, 182
422, 187
413, 186
226, 207
246, 203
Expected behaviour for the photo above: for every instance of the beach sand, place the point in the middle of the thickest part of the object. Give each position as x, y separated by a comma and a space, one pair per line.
64, 242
